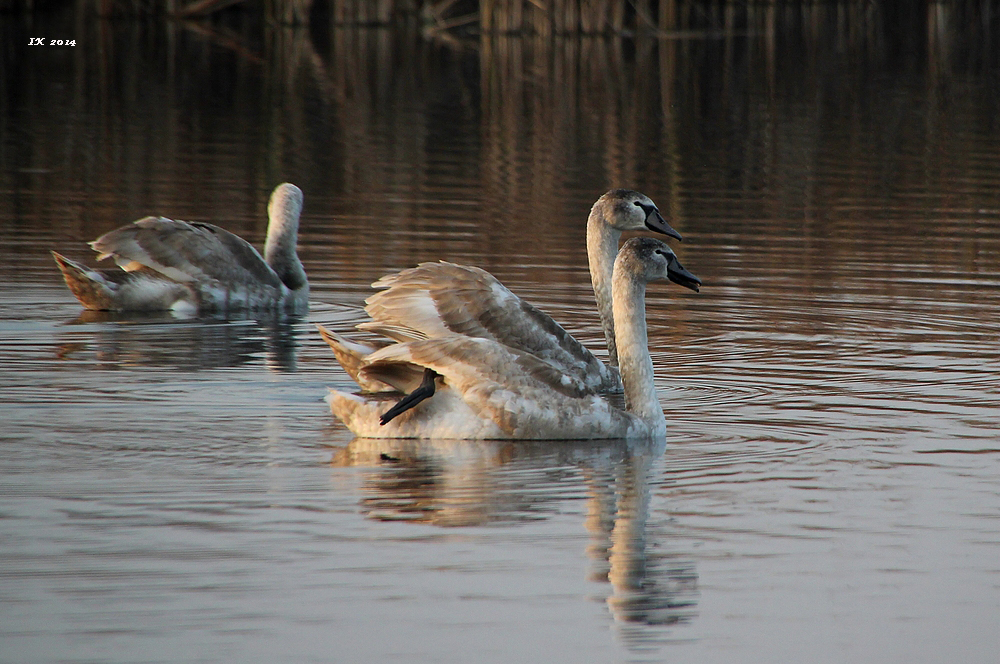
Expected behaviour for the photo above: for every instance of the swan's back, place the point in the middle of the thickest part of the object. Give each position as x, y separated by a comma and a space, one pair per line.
187, 252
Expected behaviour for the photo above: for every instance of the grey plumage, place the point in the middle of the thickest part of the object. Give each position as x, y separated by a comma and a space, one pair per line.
177, 265
487, 389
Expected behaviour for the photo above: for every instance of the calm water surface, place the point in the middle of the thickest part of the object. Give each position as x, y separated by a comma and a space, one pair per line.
829, 489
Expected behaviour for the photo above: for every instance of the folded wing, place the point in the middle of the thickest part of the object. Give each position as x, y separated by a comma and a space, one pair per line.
186, 252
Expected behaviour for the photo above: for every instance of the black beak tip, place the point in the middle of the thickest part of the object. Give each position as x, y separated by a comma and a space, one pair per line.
694, 284
656, 223
686, 279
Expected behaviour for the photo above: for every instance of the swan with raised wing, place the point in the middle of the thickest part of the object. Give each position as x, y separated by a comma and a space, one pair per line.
190, 267
459, 386
438, 299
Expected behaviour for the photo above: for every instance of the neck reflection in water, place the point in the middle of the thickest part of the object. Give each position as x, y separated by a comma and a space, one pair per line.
476, 483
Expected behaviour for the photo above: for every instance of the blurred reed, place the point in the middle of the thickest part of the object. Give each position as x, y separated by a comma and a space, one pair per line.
538, 17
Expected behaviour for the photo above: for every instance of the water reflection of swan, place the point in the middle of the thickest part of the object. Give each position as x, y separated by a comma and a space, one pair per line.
649, 589
159, 339
471, 483
187, 267
438, 299
478, 388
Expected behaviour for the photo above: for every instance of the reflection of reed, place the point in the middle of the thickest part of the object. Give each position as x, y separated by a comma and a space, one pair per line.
742, 111
551, 106
467, 483
363, 12
544, 17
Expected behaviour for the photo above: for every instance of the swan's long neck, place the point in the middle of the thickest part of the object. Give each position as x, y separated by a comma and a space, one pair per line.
602, 247
633, 348
279, 248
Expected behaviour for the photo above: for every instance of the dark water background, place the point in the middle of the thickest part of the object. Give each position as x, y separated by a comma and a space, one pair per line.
829, 489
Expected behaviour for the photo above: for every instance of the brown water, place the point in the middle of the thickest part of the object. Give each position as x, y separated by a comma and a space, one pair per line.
829, 489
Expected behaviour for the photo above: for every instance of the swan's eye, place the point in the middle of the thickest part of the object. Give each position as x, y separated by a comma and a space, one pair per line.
646, 209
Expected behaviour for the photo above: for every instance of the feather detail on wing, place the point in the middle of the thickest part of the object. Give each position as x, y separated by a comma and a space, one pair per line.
187, 252
464, 362
519, 394
394, 332
440, 299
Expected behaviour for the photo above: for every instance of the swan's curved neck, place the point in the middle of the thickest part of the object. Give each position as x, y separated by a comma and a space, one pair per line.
633, 349
602, 247
279, 248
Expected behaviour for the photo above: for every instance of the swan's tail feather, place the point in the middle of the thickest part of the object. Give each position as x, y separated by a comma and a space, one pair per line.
351, 356
90, 287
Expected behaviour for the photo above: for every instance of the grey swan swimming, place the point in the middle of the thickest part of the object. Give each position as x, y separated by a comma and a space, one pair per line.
464, 387
438, 299
192, 267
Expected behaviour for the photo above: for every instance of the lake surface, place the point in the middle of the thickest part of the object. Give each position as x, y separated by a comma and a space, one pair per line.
829, 488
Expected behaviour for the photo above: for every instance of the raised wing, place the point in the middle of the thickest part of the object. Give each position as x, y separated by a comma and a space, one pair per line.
439, 299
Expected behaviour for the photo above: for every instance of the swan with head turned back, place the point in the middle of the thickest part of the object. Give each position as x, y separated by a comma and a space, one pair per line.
460, 386
190, 267
440, 299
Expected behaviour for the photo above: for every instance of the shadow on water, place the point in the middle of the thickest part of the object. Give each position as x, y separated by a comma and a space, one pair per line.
161, 340
473, 483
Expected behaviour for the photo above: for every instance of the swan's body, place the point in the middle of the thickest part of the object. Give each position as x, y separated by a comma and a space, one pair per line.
189, 267
484, 389
439, 299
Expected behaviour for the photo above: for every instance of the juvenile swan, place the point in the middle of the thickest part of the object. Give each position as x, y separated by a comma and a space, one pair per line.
439, 299
191, 266
468, 387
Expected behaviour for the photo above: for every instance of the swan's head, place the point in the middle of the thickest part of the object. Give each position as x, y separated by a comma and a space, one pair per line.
627, 210
285, 204
648, 259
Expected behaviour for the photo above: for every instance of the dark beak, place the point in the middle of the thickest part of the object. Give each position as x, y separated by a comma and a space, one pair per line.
677, 274
657, 224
